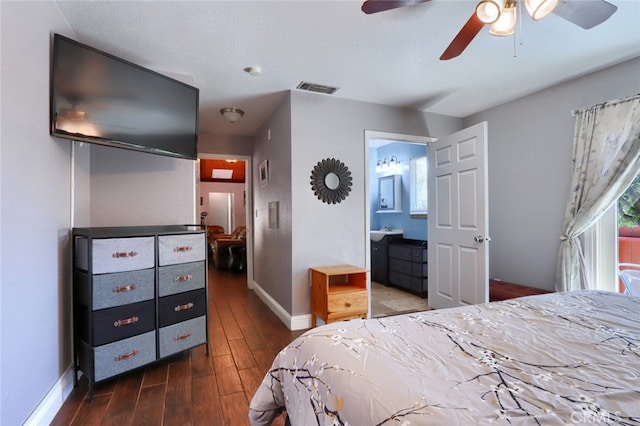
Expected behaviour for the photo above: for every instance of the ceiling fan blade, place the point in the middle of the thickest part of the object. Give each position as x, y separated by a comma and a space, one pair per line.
464, 37
585, 14
375, 6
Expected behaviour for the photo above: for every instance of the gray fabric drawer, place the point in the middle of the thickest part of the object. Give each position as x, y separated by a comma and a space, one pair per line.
180, 278
121, 288
116, 254
184, 248
124, 355
183, 335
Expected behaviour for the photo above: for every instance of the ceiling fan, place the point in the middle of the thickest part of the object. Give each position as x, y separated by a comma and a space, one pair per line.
501, 15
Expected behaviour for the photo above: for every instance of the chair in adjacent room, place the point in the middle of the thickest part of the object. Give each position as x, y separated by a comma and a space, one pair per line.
222, 254
630, 275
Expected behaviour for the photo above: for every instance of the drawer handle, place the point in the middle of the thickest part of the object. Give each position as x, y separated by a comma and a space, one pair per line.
347, 304
182, 248
183, 337
183, 307
124, 288
182, 278
126, 356
127, 321
123, 254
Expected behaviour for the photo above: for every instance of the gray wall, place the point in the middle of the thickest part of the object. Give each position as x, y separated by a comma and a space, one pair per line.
35, 326
327, 127
48, 186
530, 147
272, 247
130, 188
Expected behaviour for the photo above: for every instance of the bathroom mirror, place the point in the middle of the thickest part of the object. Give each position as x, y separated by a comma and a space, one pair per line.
389, 194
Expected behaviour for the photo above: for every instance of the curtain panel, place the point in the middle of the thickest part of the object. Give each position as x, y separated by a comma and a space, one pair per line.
605, 162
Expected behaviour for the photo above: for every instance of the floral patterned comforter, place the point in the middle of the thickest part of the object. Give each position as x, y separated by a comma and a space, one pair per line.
560, 358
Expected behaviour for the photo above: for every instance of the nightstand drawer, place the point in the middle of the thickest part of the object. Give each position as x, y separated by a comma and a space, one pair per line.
180, 278
122, 288
184, 248
183, 335
124, 355
181, 307
347, 301
121, 322
116, 254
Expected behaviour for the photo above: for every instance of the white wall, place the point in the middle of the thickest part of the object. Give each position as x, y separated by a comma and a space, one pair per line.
239, 200
530, 147
35, 216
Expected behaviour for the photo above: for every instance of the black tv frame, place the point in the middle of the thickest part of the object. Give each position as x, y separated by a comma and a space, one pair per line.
122, 96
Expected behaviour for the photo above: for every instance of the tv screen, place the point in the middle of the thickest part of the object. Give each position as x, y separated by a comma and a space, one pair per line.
100, 98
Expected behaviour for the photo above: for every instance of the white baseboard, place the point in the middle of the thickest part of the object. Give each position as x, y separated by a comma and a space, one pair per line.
53, 400
298, 322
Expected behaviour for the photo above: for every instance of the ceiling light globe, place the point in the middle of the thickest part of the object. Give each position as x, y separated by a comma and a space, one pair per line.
506, 24
538, 9
488, 11
232, 114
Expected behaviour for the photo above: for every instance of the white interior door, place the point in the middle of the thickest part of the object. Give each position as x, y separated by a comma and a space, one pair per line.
458, 220
221, 210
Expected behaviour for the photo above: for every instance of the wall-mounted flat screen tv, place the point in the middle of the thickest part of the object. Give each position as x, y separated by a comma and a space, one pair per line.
100, 98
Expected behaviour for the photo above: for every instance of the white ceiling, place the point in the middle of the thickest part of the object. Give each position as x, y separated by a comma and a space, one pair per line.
387, 58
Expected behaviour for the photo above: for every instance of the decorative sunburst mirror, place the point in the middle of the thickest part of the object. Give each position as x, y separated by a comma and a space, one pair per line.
331, 181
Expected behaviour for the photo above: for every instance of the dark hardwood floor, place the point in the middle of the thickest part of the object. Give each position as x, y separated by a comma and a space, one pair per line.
193, 388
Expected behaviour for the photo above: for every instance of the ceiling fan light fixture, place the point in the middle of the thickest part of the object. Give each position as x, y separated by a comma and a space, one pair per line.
488, 11
538, 9
232, 114
506, 23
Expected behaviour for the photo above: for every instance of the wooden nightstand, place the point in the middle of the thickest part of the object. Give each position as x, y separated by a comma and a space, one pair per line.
338, 293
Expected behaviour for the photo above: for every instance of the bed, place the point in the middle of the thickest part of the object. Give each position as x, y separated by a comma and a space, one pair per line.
559, 358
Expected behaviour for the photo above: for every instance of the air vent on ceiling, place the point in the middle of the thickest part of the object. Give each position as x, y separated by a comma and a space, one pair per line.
318, 88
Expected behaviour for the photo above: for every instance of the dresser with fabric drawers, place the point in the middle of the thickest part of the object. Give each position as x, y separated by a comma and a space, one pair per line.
139, 295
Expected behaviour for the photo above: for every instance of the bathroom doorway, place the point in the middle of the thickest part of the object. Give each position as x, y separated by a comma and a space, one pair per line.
390, 154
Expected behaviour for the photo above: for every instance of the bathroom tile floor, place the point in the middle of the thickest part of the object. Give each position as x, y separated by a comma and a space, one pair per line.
387, 301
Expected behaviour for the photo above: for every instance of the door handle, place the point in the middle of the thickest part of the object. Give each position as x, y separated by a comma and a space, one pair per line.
481, 239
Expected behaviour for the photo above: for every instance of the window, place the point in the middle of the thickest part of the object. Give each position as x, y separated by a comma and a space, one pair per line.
602, 245
418, 187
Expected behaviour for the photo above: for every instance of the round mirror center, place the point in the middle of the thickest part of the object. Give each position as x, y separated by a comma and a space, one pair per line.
331, 181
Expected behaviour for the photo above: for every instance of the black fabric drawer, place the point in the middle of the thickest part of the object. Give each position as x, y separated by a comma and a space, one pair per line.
182, 306
400, 251
419, 269
402, 266
121, 322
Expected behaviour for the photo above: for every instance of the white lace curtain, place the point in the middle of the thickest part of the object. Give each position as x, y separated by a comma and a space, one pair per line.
605, 162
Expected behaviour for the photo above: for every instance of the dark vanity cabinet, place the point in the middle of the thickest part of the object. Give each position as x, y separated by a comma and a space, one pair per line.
139, 295
407, 265
380, 261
